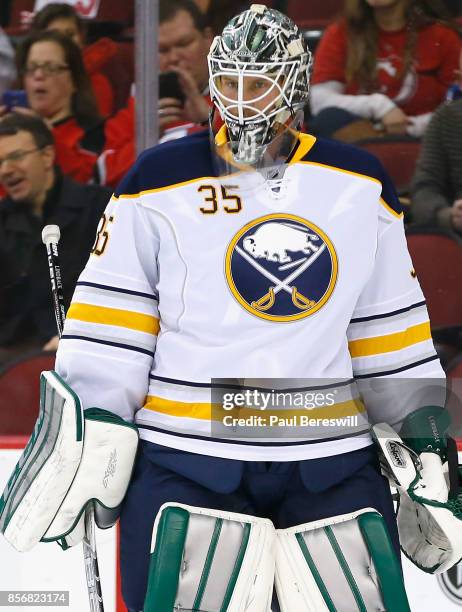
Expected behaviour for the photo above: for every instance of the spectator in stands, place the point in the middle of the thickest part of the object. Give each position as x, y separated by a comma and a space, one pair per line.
63, 18
383, 69
58, 89
184, 42
38, 194
7, 67
436, 195
219, 12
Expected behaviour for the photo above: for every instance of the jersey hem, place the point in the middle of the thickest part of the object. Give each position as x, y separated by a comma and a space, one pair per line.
254, 453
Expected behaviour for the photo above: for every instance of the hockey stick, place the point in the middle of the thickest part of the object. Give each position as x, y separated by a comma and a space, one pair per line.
50, 238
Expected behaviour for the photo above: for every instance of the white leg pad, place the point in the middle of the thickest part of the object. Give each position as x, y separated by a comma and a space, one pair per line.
204, 559
345, 563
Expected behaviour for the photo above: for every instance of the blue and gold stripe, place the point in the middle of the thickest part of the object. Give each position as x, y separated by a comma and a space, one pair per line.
136, 321
367, 347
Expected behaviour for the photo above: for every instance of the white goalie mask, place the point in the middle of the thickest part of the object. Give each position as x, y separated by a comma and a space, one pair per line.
259, 79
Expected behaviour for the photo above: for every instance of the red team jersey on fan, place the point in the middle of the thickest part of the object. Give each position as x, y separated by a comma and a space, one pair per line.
421, 90
77, 149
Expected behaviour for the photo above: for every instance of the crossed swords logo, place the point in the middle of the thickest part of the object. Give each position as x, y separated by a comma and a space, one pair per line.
298, 299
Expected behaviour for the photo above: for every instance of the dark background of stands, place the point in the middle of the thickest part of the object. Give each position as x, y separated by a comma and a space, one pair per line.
114, 15
115, 19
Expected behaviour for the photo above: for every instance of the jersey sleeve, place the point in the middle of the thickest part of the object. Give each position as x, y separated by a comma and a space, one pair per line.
450, 47
330, 93
109, 338
394, 361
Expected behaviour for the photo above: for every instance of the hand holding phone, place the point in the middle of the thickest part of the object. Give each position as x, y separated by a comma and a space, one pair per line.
14, 97
169, 87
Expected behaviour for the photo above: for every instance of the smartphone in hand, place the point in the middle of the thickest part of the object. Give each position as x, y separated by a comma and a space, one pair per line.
14, 97
169, 87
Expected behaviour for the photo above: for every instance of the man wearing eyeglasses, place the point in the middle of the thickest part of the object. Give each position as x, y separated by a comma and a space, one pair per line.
38, 194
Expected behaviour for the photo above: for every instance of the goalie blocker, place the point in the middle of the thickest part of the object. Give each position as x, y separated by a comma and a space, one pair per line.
73, 458
203, 559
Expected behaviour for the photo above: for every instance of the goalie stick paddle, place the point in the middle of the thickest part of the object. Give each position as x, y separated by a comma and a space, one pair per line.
50, 238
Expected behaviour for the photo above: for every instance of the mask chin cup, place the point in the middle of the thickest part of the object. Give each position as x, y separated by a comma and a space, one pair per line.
243, 148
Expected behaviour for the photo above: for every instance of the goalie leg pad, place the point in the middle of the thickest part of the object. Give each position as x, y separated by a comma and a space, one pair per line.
204, 559
343, 563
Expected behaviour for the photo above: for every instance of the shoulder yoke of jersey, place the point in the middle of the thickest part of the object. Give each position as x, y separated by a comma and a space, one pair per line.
169, 164
185, 159
343, 156
350, 158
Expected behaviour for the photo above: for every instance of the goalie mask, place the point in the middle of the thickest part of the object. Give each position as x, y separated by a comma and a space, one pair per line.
259, 81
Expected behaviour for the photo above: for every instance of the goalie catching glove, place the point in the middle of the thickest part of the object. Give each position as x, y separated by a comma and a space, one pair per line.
73, 458
429, 513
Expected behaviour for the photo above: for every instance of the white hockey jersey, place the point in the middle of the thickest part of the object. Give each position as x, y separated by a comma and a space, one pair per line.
196, 278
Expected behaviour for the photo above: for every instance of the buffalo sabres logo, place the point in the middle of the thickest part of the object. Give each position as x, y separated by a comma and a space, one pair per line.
281, 267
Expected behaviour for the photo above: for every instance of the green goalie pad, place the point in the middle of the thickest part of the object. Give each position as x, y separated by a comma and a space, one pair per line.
344, 563
204, 559
73, 458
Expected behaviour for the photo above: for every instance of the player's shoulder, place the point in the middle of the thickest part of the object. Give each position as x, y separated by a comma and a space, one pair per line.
169, 164
357, 162
344, 156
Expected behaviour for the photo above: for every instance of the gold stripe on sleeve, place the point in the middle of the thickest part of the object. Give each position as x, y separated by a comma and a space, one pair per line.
364, 347
114, 316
